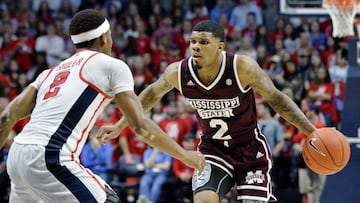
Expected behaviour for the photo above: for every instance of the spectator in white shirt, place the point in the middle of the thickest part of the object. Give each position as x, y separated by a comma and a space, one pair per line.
340, 69
52, 44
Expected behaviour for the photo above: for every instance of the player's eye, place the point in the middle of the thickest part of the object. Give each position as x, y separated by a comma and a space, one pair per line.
204, 42
193, 41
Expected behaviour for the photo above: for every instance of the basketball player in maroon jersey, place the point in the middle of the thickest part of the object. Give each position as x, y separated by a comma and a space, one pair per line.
220, 87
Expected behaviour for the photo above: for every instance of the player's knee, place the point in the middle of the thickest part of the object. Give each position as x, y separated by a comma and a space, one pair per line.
206, 197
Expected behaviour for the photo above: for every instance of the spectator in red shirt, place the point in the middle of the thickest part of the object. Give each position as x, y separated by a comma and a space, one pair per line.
131, 144
250, 29
186, 112
223, 22
278, 31
23, 49
109, 117
44, 12
162, 51
183, 37
328, 55
321, 95
142, 76
142, 40
173, 125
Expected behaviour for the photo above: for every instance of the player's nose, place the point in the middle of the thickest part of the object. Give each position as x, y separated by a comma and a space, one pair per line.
195, 47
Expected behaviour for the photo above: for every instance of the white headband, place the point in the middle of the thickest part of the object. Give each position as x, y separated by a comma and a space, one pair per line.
91, 34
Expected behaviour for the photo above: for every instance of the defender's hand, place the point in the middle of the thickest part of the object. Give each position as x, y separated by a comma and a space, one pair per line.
105, 133
195, 160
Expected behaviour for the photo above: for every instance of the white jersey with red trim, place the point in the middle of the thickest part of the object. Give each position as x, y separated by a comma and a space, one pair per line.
71, 96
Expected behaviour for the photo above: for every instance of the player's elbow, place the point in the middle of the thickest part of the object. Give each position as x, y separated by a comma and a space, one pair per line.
7, 118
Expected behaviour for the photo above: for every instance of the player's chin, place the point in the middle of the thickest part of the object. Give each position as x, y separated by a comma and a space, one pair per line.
197, 61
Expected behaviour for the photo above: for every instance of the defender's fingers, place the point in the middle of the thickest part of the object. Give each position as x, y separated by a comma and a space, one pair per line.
100, 133
201, 168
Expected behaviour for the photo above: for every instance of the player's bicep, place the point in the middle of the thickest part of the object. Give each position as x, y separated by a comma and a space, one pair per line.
168, 80
266, 89
160, 87
258, 80
155, 91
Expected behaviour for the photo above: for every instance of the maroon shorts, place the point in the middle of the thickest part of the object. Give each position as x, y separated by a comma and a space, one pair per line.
247, 166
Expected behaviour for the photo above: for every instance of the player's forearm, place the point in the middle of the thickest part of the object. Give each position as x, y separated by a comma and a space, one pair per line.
283, 105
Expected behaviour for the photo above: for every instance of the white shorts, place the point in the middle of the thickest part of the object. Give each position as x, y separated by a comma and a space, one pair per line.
37, 176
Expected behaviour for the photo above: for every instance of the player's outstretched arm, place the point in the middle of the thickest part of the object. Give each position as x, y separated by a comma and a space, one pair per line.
150, 96
18, 108
251, 74
152, 134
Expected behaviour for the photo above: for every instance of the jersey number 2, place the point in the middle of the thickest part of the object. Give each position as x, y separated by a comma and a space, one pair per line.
220, 134
54, 88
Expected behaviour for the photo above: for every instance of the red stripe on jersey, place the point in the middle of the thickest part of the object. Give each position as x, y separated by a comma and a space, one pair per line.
89, 83
50, 71
83, 132
102, 186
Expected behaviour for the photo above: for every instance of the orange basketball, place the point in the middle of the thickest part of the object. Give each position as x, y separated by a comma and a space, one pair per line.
326, 151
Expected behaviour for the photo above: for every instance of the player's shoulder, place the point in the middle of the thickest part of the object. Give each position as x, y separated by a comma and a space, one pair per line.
172, 68
110, 61
246, 63
244, 59
106, 57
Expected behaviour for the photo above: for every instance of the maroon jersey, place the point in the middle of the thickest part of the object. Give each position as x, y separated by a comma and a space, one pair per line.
225, 109
231, 142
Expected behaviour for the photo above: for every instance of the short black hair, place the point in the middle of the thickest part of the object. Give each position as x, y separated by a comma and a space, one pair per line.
210, 26
83, 21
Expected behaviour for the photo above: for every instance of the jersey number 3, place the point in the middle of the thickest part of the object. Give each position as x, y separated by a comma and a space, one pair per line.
54, 88
221, 133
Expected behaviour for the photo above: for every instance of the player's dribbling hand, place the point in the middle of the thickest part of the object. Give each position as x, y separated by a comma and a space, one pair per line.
195, 160
105, 133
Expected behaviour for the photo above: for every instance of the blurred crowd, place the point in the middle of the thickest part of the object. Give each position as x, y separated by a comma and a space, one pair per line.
298, 53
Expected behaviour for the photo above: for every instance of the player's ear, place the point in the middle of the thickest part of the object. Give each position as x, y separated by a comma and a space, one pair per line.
102, 40
221, 46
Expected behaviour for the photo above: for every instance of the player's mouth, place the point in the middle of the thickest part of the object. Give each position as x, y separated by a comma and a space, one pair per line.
196, 56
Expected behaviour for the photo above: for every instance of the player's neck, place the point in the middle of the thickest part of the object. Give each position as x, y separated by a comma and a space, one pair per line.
207, 74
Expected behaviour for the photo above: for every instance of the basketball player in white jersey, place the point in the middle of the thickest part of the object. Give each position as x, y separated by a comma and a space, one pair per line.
63, 103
